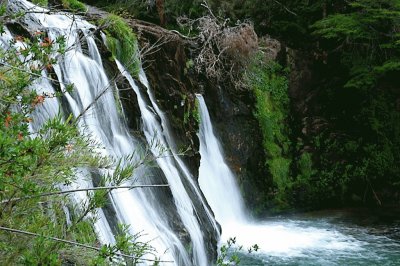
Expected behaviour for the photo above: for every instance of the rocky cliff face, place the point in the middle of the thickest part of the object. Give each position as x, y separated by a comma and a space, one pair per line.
164, 58
167, 62
240, 136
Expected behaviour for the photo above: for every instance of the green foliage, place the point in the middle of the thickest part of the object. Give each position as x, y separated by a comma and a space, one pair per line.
366, 21
126, 9
359, 163
74, 5
122, 42
191, 111
339, 27
285, 20
304, 188
368, 38
196, 112
270, 86
43, 3
147, 10
126, 244
229, 254
188, 66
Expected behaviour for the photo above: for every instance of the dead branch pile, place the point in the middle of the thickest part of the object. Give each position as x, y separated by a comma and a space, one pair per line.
224, 51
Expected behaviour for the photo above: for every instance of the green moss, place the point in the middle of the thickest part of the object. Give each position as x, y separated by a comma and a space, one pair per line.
42, 3
196, 112
74, 5
270, 87
118, 103
122, 42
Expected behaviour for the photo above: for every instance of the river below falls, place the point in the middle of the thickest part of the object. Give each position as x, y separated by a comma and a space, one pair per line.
321, 238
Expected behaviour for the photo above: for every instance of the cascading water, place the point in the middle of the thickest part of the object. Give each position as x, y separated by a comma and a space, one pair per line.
185, 171
173, 169
168, 220
216, 179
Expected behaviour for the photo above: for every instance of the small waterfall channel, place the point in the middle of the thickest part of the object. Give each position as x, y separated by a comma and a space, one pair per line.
215, 178
173, 220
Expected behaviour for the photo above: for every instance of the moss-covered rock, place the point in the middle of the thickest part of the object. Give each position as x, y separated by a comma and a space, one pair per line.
122, 42
74, 5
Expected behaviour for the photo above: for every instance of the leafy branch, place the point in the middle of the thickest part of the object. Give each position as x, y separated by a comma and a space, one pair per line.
77, 244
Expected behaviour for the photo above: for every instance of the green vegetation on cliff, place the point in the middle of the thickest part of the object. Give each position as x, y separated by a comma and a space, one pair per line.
347, 155
360, 164
122, 42
74, 5
269, 83
43, 3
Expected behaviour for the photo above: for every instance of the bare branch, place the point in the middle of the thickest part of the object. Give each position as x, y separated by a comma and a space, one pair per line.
184, 36
79, 190
148, 49
223, 51
94, 101
287, 9
205, 5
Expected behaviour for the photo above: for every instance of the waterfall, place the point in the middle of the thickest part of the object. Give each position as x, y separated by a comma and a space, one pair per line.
174, 169
215, 178
173, 220
218, 183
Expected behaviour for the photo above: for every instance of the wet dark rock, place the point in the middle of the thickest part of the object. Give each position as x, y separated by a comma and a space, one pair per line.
164, 60
17, 29
239, 133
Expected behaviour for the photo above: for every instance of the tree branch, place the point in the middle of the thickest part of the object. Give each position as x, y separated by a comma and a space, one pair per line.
73, 243
79, 190
287, 9
31, 73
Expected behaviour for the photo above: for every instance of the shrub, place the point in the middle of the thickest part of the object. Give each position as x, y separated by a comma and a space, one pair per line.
74, 5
